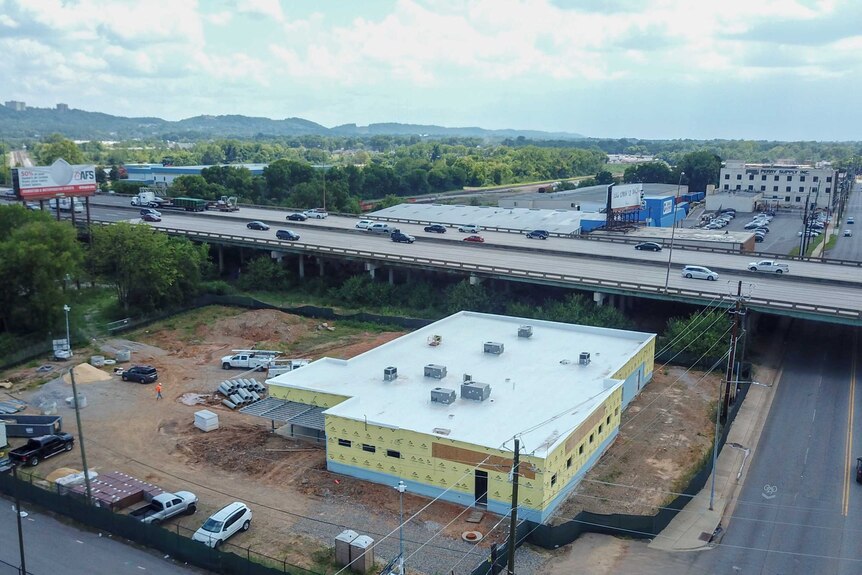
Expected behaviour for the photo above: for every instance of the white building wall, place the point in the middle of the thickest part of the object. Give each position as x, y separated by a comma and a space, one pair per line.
782, 185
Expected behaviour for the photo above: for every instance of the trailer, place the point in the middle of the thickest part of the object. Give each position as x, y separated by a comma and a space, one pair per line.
187, 204
32, 425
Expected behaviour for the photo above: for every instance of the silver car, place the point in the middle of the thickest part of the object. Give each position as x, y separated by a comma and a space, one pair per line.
699, 272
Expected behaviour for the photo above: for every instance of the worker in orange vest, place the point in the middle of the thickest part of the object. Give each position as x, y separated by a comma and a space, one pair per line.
158, 391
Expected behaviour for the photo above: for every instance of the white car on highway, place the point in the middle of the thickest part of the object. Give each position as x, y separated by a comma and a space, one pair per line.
364, 224
699, 272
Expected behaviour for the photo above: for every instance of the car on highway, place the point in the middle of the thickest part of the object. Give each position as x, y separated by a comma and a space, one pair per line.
809, 233
155, 212
469, 229
401, 237
848, 233
316, 214
769, 266
141, 374
151, 218
364, 224
224, 523
257, 225
287, 235
379, 228
699, 272
475, 239
435, 229
297, 217
850, 220
649, 246
538, 235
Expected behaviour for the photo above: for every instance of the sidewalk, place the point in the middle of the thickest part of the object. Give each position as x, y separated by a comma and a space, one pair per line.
695, 523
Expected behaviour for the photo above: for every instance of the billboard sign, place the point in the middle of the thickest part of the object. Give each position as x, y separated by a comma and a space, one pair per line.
626, 196
667, 206
57, 180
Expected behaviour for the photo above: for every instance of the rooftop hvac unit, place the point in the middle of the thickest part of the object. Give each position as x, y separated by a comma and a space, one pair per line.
468, 378
584, 358
435, 371
493, 347
525, 331
443, 395
390, 373
475, 391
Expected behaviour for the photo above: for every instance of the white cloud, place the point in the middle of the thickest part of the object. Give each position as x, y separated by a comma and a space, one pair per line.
219, 18
269, 8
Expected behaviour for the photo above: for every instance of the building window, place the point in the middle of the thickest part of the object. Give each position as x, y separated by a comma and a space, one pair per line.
750, 176
786, 198
798, 199
616, 412
608, 420
726, 176
393, 453
789, 178
738, 187
762, 188
816, 178
738, 176
776, 178
592, 437
369, 448
726, 187
801, 178
581, 449
774, 188
787, 189
344, 442
568, 463
828, 179
828, 190
600, 428
750, 187
801, 189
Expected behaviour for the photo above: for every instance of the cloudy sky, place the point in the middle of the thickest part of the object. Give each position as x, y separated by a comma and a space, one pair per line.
764, 69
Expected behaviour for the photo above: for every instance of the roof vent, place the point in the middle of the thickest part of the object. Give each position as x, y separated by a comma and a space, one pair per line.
525, 331
467, 378
493, 347
435, 371
475, 391
584, 358
390, 373
435, 340
443, 395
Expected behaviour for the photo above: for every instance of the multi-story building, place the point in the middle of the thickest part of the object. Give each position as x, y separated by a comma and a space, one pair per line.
16, 105
782, 185
440, 408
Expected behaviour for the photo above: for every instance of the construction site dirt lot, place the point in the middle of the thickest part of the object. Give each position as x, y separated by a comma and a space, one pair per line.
299, 507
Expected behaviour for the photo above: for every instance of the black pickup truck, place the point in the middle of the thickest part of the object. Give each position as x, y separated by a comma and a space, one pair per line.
42, 447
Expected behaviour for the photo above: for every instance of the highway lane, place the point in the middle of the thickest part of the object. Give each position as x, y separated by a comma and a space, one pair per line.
850, 248
790, 517
649, 271
52, 547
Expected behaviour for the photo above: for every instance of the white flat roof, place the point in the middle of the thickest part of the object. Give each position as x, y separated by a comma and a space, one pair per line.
533, 380
558, 221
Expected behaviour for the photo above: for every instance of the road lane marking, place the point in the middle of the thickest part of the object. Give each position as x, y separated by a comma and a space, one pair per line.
848, 455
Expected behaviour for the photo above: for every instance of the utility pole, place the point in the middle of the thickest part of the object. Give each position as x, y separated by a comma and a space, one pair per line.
803, 244
731, 358
513, 524
81, 437
18, 519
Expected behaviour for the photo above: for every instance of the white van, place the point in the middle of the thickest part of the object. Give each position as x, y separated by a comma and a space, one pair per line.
224, 523
380, 228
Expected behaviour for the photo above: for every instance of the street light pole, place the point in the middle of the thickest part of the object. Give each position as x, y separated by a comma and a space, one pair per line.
67, 309
672, 233
401, 487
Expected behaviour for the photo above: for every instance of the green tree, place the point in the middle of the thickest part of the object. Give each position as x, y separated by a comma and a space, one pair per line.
36, 256
149, 269
56, 146
604, 177
464, 296
701, 169
649, 173
264, 274
698, 334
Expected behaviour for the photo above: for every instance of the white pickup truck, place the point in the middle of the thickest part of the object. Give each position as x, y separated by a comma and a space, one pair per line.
249, 360
166, 505
769, 266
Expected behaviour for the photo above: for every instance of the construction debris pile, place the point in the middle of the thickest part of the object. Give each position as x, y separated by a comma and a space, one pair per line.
241, 392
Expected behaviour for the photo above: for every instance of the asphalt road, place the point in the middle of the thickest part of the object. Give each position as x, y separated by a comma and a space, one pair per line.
850, 248
52, 547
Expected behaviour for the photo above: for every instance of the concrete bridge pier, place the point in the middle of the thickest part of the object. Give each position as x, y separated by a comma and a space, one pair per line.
475, 280
320, 268
301, 267
599, 297
277, 256
220, 259
391, 276
371, 269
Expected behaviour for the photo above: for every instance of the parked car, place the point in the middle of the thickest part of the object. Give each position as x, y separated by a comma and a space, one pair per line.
38, 448
401, 237
151, 218
538, 235
753, 225
475, 239
257, 225
436, 229
141, 374
649, 246
223, 524
316, 214
699, 272
762, 229
364, 224
287, 235
469, 229
297, 217
166, 505
759, 238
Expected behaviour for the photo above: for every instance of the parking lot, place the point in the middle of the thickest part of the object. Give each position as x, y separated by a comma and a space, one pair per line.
783, 231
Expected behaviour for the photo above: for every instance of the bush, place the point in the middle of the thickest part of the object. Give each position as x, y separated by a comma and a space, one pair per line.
218, 287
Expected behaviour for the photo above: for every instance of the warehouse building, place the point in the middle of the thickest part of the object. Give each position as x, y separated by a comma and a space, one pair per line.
160, 174
439, 408
781, 185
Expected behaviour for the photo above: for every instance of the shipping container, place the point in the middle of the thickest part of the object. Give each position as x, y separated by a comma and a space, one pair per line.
32, 425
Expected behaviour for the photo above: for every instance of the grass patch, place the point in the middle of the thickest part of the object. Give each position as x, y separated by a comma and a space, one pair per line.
187, 323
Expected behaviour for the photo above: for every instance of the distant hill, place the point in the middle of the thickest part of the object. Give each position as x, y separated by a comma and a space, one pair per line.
82, 125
